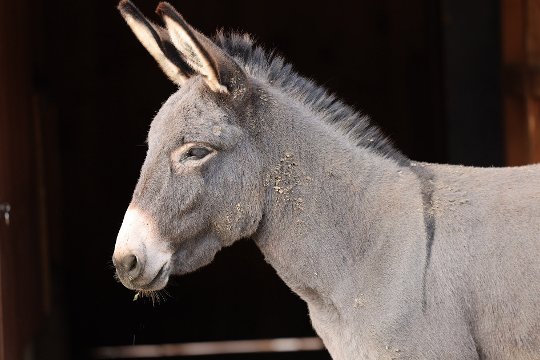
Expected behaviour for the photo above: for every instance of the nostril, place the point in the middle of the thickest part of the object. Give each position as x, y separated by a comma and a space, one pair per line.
129, 263
128, 266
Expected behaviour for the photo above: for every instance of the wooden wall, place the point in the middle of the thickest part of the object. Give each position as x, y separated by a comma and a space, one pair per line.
21, 273
521, 73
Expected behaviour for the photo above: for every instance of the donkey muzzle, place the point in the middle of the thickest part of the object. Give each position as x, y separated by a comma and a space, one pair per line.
140, 258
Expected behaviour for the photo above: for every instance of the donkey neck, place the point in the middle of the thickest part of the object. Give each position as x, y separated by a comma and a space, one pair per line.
326, 204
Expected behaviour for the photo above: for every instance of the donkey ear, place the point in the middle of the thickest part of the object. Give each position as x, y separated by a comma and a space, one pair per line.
205, 57
156, 40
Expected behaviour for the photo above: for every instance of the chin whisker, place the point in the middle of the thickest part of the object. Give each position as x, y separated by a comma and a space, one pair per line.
166, 294
155, 296
116, 278
110, 265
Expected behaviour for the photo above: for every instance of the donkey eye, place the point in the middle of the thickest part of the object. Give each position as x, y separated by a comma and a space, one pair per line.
197, 153
191, 155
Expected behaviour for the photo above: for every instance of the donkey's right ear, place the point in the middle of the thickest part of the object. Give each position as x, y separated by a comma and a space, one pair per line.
156, 40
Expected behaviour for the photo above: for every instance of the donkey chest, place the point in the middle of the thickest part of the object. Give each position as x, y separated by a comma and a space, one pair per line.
344, 343
351, 337
347, 339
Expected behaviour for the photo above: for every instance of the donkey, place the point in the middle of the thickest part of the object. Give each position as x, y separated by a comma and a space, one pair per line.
396, 259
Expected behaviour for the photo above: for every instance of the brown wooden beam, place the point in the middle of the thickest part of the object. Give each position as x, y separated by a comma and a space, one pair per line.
521, 79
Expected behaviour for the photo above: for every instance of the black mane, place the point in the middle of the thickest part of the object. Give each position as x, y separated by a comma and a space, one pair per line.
274, 70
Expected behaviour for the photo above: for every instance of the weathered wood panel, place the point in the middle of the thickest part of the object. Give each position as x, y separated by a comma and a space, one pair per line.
521, 74
21, 297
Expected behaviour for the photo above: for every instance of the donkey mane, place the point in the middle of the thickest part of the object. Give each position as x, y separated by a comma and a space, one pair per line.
272, 68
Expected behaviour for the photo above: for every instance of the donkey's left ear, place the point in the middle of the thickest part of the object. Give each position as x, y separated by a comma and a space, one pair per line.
220, 71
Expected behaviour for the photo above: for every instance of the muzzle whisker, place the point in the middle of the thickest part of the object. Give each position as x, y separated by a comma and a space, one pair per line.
116, 278
167, 294
110, 264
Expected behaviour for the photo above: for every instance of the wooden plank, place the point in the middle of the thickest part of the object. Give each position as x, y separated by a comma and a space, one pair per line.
533, 86
532, 30
521, 79
513, 54
209, 348
533, 112
516, 131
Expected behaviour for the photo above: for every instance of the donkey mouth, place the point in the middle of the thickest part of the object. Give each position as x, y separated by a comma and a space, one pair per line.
158, 282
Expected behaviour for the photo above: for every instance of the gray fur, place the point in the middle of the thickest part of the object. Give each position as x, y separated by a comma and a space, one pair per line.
395, 259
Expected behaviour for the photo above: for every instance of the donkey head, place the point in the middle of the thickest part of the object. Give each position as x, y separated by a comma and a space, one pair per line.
201, 184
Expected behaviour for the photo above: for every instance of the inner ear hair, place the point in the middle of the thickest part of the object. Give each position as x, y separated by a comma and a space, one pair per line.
158, 43
186, 40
